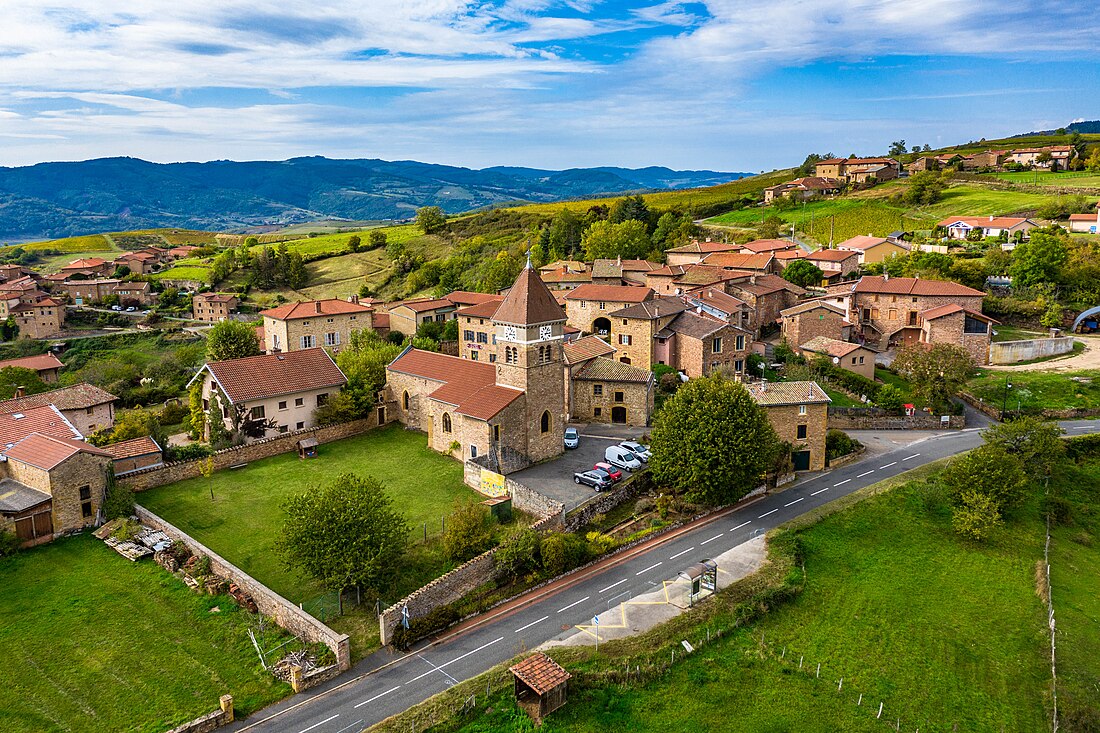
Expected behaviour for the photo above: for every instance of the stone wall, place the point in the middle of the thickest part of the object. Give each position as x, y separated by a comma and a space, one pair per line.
638, 483
526, 499
1011, 352
269, 603
873, 418
283, 443
210, 721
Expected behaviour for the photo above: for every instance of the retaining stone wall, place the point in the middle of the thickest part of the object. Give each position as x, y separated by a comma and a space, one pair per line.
1012, 352
638, 484
210, 721
286, 614
994, 410
149, 478
872, 418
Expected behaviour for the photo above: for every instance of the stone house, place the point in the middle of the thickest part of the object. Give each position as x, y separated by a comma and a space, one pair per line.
313, 323
134, 455
37, 315
214, 307
679, 279
953, 324
771, 246
86, 407
717, 302
133, 293
508, 414
836, 264
799, 413
575, 354
635, 329
140, 263
768, 295
989, 159
1060, 155
566, 278
872, 249
923, 164
83, 292
844, 354
801, 189
762, 263
858, 170
694, 252
89, 266
46, 365
283, 388
407, 315
609, 391
621, 272
589, 307
814, 318
960, 227
697, 344
476, 332
888, 309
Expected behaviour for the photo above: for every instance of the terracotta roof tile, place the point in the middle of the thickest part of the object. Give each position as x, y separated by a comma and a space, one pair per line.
788, 393
768, 245
270, 375
739, 261
46, 451
480, 310
696, 325
810, 305
602, 369
541, 673
588, 347
614, 293
715, 298
216, 298
131, 448
529, 301
862, 242
832, 347
951, 308
77, 397
657, 307
38, 363
832, 255
47, 419
468, 385
913, 286
312, 309
698, 247
995, 222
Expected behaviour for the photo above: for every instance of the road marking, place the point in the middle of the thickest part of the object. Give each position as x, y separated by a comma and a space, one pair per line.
712, 538
366, 702
887, 465
1083, 427
346, 728
741, 525
437, 669
682, 552
574, 604
618, 582
841, 483
773, 511
523, 628
866, 473
660, 562
456, 659
316, 725
969, 430
821, 491
795, 501
912, 456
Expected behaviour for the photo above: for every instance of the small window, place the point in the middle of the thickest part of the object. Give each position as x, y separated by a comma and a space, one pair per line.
299, 401
322, 399
853, 360
624, 321
801, 432
492, 358
473, 356
468, 335
739, 365
258, 412
473, 451
496, 433
282, 404
624, 359
86, 509
597, 389
89, 410
283, 428
405, 400
618, 396
446, 422
299, 425
716, 346
85, 493
597, 411
861, 360
545, 423
482, 337
331, 320
624, 339
603, 305
740, 343
801, 409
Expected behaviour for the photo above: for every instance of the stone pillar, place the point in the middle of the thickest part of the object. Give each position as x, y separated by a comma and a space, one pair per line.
227, 707
296, 677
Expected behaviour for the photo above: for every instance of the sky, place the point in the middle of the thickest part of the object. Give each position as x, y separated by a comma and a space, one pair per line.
729, 85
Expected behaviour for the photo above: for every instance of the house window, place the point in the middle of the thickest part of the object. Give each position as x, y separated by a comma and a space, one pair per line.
893, 314
716, 346
482, 337
618, 396
597, 390
332, 339
624, 339
544, 423
496, 433
603, 305
258, 412
331, 320
740, 343
861, 360
624, 321
322, 399
381, 415
597, 411
85, 493
473, 356
299, 425
299, 401
446, 422
584, 304
492, 358
308, 342
473, 451
974, 325
912, 318
801, 409
283, 428
801, 432
468, 335
282, 404
405, 400
86, 501
739, 365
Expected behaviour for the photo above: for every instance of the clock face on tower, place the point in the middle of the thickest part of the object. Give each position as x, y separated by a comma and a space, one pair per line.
546, 333
509, 333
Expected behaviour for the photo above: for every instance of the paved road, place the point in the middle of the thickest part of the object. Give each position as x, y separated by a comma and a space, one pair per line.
364, 697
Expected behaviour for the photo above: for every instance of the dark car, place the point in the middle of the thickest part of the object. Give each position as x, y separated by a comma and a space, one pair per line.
614, 473
598, 480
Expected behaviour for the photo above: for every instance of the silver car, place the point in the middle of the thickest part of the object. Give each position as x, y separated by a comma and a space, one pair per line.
642, 451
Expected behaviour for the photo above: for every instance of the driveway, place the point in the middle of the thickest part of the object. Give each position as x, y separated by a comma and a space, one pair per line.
555, 478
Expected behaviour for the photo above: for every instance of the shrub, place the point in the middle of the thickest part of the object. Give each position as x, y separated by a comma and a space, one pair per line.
469, 532
669, 383
599, 543
437, 620
889, 398
518, 554
1059, 509
1083, 446
173, 413
987, 470
664, 504
838, 443
189, 452
9, 543
561, 552
119, 501
976, 515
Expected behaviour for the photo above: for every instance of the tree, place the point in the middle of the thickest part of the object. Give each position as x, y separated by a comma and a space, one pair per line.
1052, 318
803, 273
769, 228
377, 238
1038, 260
1093, 161
469, 532
231, 340
566, 232
12, 378
605, 239
889, 398
363, 361
711, 441
198, 415
1037, 443
988, 469
118, 500
354, 243
538, 255
936, 373
926, 187
217, 433
430, 219
631, 208
518, 553
898, 147
344, 534
976, 515
296, 274
138, 423
809, 165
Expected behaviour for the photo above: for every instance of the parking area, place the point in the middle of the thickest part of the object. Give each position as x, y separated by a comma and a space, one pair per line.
555, 478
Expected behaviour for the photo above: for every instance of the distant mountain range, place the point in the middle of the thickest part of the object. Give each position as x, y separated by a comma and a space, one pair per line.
1085, 127
52, 200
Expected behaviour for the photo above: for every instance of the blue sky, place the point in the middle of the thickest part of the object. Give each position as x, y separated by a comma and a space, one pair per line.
724, 84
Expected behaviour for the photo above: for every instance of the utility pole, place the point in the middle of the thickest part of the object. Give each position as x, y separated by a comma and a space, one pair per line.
832, 222
1004, 400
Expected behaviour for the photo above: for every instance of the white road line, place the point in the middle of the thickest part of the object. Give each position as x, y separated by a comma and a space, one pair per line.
1083, 427
574, 603
661, 562
866, 473
366, 702
456, 659
743, 524
524, 628
821, 491
969, 430
316, 725
841, 483
887, 465
912, 456
617, 582
773, 511
682, 552
712, 539
437, 669
795, 501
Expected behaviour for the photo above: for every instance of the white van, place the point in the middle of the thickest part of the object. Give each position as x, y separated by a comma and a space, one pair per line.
620, 457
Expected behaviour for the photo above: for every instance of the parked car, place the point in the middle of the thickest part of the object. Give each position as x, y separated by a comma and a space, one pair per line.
620, 457
598, 480
614, 473
572, 438
116, 307
642, 451
131, 309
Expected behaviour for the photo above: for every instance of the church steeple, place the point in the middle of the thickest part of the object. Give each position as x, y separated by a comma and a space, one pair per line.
529, 302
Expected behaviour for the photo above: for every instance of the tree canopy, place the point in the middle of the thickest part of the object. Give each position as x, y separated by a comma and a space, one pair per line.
14, 377
231, 340
990, 470
803, 273
1037, 443
430, 219
936, 373
344, 534
712, 441
606, 239
1038, 260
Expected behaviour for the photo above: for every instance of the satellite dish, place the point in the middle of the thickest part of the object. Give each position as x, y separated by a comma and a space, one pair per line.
836, 359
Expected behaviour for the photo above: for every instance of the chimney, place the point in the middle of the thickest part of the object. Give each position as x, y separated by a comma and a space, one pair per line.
619, 260
708, 239
885, 275
991, 217
317, 305
353, 299
752, 279
20, 391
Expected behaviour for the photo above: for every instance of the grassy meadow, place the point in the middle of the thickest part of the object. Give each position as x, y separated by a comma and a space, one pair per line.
1038, 390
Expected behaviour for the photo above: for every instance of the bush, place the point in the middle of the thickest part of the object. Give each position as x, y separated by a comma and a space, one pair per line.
437, 620
561, 552
976, 515
1059, 509
518, 554
1083, 446
190, 452
838, 443
889, 398
469, 532
119, 501
173, 413
9, 543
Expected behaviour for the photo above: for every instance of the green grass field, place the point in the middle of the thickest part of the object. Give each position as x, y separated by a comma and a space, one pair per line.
1063, 179
1038, 390
96, 643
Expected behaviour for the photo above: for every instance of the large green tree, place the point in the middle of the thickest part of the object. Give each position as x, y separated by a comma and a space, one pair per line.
344, 534
430, 219
936, 373
363, 361
1037, 443
231, 340
990, 470
566, 231
1038, 260
712, 442
803, 273
629, 208
11, 378
605, 239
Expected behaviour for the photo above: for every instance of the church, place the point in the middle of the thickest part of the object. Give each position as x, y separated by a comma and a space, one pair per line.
509, 411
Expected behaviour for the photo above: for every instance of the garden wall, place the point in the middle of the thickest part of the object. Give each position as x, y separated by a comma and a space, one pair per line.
1012, 352
604, 502
873, 418
169, 473
210, 721
269, 603
994, 410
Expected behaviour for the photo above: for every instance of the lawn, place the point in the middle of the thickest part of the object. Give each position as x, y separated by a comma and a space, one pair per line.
1015, 333
1034, 391
1064, 179
93, 642
888, 377
840, 399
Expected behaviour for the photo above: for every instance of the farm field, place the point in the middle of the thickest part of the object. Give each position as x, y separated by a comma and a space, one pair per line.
1037, 390
104, 645
1064, 179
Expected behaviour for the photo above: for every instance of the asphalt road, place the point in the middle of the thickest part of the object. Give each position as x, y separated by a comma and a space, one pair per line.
364, 697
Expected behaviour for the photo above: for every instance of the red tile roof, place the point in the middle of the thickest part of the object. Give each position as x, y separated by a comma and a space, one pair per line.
588, 347
529, 301
216, 297
481, 310
832, 255
862, 242
739, 261
716, 298
312, 309
913, 286
768, 245
46, 452
648, 310
76, 397
468, 385
832, 347
271, 375
38, 363
602, 369
615, 293
466, 297
698, 247
994, 222
422, 305
541, 673
85, 263
48, 420
790, 254
143, 446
